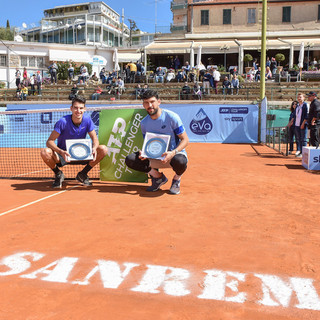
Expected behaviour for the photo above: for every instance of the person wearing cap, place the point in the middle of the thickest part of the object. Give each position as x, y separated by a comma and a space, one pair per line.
314, 119
300, 119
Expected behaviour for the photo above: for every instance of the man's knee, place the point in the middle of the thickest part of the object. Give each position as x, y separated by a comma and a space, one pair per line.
103, 150
131, 159
46, 153
179, 163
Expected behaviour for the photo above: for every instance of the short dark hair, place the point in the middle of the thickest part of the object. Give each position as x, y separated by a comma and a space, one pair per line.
149, 94
80, 99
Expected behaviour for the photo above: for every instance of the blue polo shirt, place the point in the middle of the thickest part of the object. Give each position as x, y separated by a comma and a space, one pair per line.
67, 130
168, 123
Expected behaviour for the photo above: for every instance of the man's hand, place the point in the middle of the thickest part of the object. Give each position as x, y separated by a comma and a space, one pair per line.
94, 153
168, 156
65, 155
140, 157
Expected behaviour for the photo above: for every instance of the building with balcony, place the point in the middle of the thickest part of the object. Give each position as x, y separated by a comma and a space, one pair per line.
91, 23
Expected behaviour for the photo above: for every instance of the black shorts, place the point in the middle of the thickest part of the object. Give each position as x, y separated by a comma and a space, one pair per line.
63, 162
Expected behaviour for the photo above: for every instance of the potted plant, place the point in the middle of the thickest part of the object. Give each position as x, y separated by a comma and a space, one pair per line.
279, 58
247, 58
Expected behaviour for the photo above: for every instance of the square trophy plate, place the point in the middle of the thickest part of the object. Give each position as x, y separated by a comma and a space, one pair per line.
79, 149
154, 145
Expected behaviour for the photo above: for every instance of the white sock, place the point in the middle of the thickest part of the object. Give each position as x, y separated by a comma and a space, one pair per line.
176, 177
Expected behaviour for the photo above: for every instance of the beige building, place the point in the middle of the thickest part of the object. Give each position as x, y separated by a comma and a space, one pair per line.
227, 30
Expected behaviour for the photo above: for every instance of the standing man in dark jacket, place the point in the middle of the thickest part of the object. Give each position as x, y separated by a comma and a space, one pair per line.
314, 119
300, 119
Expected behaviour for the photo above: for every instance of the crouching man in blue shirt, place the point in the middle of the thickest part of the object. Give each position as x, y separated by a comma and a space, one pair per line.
166, 122
73, 126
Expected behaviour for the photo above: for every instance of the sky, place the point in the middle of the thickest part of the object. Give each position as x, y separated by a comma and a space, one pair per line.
141, 11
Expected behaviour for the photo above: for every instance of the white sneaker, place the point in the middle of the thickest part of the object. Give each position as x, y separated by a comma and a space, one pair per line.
297, 153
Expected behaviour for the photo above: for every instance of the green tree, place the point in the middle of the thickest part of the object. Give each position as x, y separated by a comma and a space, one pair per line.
280, 57
133, 28
247, 58
6, 34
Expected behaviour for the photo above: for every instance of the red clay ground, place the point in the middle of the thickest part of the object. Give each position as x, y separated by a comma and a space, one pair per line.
243, 209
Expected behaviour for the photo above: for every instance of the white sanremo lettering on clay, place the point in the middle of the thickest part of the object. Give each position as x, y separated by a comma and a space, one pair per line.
281, 292
110, 273
156, 276
215, 284
60, 273
274, 291
17, 262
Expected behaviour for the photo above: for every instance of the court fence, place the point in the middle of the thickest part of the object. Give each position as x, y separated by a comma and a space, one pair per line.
278, 139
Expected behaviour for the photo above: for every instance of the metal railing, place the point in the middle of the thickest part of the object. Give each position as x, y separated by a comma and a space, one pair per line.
278, 139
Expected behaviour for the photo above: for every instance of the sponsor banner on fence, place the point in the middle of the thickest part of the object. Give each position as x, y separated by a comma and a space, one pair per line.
219, 123
120, 131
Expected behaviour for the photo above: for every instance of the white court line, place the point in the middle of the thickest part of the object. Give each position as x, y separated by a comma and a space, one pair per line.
33, 202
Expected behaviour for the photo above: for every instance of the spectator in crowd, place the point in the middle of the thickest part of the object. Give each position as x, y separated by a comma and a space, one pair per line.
39, 83
201, 70
181, 76
257, 76
170, 75
120, 86
255, 64
268, 74
126, 72
314, 119
24, 92
192, 76
140, 70
314, 63
273, 66
133, 70
138, 91
291, 126
25, 76
251, 74
96, 94
160, 74
216, 78
144, 89
94, 77
226, 86
177, 63
187, 67
74, 92
196, 91
70, 73
18, 77
268, 62
185, 92
300, 119
109, 78
112, 88
233, 71
32, 84
235, 84
84, 75
102, 75
207, 82
53, 69
18, 92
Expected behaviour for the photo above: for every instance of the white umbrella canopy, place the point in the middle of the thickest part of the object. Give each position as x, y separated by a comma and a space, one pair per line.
199, 56
301, 55
191, 56
115, 60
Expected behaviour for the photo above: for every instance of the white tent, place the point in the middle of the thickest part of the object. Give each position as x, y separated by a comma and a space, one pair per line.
191, 56
199, 56
301, 55
116, 60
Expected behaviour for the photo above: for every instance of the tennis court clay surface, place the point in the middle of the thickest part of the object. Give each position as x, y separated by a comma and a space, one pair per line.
241, 242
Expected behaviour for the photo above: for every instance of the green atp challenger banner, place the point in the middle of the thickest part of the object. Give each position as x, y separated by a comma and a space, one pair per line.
119, 130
